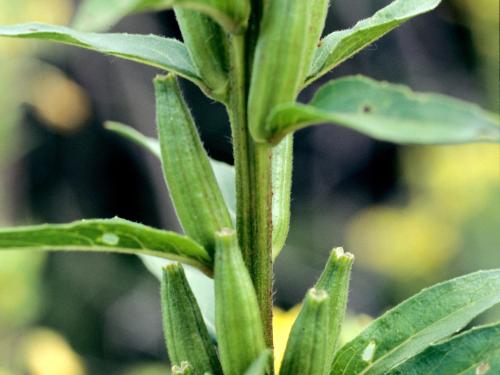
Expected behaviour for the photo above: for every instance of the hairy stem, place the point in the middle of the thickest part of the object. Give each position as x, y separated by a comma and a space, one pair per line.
253, 163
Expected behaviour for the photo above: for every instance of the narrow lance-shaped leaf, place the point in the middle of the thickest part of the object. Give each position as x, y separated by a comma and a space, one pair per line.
164, 53
341, 45
335, 281
206, 43
282, 189
186, 335
113, 235
306, 349
410, 327
318, 11
238, 323
475, 352
224, 173
101, 14
192, 185
388, 112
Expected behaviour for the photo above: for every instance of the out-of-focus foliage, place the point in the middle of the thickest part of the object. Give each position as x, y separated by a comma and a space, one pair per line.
482, 18
47, 353
447, 189
448, 219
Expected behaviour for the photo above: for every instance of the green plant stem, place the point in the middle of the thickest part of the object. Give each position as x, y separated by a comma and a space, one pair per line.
253, 163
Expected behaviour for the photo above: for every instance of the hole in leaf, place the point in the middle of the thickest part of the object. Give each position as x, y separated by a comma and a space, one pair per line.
367, 108
369, 352
110, 239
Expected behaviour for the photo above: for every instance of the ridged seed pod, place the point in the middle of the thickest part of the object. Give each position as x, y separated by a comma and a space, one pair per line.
192, 185
306, 347
185, 331
206, 44
279, 60
335, 281
237, 317
233, 15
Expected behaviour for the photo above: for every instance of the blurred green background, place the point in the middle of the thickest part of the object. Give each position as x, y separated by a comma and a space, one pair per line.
413, 216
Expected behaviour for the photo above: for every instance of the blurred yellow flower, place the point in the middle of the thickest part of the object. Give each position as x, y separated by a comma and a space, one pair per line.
456, 179
282, 325
404, 243
48, 353
59, 101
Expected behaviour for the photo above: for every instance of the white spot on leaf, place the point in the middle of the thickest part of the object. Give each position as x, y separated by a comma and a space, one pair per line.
369, 351
110, 239
483, 368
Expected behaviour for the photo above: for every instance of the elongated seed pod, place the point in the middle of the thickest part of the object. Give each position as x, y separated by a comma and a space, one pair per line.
206, 44
192, 185
185, 331
231, 14
335, 281
278, 62
282, 186
306, 347
237, 317
317, 13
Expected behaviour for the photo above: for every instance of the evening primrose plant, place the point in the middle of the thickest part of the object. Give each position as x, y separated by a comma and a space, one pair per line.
255, 57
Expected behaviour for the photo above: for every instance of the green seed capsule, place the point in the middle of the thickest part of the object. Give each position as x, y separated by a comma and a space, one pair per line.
335, 281
279, 61
233, 15
306, 348
185, 332
205, 41
237, 317
194, 190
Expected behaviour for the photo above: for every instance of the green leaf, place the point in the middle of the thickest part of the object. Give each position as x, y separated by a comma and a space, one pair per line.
112, 235
195, 193
282, 188
390, 113
99, 15
406, 330
224, 173
150, 144
262, 364
341, 45
164, 53
475, 352
186, 335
